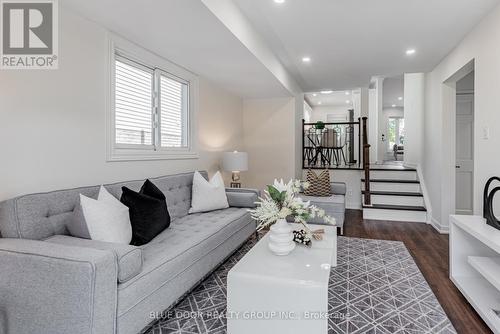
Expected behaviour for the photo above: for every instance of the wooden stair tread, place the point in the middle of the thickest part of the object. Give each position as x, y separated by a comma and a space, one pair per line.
395, 193
395, 207
392, 181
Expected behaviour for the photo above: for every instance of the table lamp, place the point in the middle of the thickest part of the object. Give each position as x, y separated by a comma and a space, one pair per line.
235, 162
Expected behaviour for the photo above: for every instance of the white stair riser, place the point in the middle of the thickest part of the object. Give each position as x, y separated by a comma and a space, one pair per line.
398, 200
393, 186
394, 175
395, 215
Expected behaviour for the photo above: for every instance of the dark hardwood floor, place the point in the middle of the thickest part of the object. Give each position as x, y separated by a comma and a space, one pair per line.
430, 251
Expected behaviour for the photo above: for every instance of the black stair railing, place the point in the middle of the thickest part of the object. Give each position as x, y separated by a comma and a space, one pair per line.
331, 145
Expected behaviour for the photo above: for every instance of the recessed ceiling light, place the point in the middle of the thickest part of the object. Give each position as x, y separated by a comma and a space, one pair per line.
306, 59
326, 91
279, 1
347, 93
394, 106
400, 98
319, 102
348, 101
410, 52
314, 94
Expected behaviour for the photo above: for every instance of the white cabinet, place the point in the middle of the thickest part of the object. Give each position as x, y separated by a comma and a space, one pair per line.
475, 265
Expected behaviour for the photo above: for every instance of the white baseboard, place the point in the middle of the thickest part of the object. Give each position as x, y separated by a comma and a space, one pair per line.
395, 215
439, 227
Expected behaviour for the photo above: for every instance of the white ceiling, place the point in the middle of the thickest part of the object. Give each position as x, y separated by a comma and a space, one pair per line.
187, 33
351, 40
393, 89
334, 99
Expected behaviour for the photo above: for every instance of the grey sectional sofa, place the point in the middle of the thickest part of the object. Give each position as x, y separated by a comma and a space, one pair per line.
53, 283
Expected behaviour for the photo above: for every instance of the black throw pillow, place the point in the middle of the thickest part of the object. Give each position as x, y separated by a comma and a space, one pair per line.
148, 212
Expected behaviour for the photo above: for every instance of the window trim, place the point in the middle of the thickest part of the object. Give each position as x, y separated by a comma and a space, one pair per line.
123, 152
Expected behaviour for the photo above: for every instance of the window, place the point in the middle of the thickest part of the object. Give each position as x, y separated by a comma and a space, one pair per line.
134, 112
173, 111
151, 108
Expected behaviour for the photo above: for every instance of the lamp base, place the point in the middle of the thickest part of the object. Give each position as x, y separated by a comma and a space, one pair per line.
235, 177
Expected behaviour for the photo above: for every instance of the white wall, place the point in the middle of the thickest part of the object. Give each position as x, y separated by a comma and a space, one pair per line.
352, 179
320, 113
307, 112
375, 113
298, 129
372, 123
363, 100
269, 136
414, 103
381, 151
482, 45
52, 123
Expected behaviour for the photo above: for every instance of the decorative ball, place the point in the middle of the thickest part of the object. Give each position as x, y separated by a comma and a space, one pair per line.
301, 237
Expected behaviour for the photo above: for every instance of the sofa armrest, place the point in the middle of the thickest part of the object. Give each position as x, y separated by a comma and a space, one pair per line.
242, 197
338, 188
51, 288
129, 258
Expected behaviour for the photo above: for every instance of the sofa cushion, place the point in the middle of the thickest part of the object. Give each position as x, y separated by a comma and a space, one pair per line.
129, 258
177, 248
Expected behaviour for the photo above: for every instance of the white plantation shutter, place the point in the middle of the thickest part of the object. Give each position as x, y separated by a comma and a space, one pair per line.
151, 110
173, 112
133, 103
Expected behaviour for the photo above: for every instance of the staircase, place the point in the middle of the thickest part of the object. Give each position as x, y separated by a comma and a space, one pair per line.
395, 195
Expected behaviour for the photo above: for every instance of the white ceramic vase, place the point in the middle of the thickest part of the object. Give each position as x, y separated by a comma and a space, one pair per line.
281, 238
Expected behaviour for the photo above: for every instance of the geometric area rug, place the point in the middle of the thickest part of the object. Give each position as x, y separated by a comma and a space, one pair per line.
375, 288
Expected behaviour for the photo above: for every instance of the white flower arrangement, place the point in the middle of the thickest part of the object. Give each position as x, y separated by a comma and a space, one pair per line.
280, 201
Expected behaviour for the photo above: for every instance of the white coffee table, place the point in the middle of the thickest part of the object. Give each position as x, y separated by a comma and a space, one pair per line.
282, 294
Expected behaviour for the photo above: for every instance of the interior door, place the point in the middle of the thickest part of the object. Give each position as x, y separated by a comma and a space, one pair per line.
464, 166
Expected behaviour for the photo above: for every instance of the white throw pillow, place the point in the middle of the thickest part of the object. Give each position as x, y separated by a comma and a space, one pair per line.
107, 219
208, 196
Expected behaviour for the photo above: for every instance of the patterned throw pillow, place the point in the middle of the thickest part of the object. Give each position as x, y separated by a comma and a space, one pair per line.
318, 185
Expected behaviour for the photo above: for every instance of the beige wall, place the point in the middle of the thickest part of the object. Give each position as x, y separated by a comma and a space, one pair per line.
483, 46
52, 123
269, 140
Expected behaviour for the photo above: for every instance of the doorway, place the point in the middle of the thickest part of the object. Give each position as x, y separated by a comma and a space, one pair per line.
395, 138
464, 145
391, 121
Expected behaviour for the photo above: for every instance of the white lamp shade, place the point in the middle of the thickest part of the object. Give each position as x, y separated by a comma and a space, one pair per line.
235, 161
